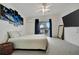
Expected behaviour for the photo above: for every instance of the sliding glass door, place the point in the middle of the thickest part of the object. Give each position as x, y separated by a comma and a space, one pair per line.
44, 27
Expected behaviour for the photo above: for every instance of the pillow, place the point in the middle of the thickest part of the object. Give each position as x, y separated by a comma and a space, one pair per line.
4, 37
13, 34
21, 33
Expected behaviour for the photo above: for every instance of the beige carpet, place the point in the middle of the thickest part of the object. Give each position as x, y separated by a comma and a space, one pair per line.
55, 47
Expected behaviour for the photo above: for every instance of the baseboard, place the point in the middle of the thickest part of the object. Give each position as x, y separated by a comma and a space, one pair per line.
31, 49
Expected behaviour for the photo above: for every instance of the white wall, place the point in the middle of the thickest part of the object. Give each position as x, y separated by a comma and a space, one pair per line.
55, 24
29, 25
72, 35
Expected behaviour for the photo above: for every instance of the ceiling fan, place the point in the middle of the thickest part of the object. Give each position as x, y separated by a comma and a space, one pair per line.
44, 8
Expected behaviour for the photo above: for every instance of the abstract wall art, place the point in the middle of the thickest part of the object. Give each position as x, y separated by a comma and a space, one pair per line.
10, 15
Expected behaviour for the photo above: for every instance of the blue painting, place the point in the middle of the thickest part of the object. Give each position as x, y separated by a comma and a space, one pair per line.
10, 15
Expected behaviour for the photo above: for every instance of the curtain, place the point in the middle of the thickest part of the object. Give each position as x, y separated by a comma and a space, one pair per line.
50, 22
37, 26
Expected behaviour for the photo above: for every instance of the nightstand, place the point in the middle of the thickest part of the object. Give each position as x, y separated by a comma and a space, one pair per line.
6, 48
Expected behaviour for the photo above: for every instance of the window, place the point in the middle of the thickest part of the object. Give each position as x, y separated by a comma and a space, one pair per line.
44, 27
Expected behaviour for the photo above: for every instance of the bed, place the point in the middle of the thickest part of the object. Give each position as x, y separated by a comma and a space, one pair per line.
30, 42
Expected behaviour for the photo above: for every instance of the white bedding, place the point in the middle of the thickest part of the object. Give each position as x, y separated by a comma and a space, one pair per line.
30, 42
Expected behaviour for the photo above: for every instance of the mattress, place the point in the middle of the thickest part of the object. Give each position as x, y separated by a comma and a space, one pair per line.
30, 42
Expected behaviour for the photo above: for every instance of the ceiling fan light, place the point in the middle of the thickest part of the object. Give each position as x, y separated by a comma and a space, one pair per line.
44, 8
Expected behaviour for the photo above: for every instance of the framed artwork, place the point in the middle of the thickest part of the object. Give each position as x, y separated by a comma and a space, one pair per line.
60, 31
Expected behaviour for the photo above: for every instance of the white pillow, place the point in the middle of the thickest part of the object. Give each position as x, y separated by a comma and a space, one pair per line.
14, 34
3, 37
21, 33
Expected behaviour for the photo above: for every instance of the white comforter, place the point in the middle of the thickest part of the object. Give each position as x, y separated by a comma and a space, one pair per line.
30, 42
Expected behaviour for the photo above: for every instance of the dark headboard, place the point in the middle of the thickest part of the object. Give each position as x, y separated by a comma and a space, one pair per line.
72, 19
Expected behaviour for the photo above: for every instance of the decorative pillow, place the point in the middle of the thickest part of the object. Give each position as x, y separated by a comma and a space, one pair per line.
13, 34
4, 37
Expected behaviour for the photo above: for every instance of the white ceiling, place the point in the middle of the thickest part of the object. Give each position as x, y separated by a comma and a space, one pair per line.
30, 9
